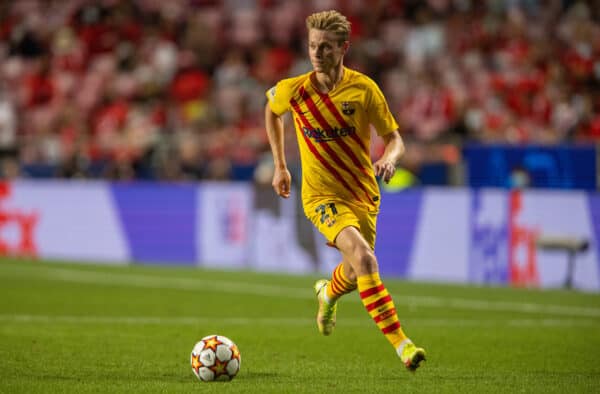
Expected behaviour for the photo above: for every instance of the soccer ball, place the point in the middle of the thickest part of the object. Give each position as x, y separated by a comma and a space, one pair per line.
215, 357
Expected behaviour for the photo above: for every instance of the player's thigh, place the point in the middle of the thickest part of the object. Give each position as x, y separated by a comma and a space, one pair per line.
368, 226
330, 217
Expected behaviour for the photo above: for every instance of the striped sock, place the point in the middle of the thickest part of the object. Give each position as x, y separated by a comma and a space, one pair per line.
339, 284
380, 306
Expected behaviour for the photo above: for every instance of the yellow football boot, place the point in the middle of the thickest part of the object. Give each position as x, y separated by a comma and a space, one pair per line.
411, 355
327, 312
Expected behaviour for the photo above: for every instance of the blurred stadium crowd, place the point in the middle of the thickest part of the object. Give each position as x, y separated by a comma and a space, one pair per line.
174, 89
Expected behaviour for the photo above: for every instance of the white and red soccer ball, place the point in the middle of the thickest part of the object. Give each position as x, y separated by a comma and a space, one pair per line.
215, 357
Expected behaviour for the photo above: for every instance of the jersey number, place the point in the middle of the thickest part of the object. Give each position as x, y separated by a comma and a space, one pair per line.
325, 217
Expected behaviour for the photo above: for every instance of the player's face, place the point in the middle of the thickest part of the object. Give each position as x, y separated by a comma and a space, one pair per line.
325, 50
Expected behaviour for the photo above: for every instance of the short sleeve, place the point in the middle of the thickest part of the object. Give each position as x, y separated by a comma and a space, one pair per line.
279, 97
378, 112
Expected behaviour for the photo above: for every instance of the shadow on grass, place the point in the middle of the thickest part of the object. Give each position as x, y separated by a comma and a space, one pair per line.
258, 375
179, 378
113, 377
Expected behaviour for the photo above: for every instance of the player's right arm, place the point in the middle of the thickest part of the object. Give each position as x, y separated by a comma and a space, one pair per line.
282, 178
278, 103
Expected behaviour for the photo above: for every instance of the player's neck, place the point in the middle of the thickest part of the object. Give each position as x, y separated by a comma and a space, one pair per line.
326, 82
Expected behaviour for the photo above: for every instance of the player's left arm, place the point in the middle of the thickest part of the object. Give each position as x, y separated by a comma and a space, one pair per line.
380, 116
385, 167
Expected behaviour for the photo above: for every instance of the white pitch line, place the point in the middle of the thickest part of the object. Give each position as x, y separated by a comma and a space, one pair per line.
268, 290
251, 321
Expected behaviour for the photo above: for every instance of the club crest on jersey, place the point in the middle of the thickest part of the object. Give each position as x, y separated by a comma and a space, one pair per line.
329, 221
347, 108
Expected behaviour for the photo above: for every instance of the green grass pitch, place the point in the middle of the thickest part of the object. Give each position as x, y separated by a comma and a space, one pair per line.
91, 328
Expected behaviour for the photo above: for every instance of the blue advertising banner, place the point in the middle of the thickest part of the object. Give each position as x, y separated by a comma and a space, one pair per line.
396, 231
159, 221
483, 236
559, 167
594, 210
488, 251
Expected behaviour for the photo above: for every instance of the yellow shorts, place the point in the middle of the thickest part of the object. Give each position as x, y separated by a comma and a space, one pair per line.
330, 216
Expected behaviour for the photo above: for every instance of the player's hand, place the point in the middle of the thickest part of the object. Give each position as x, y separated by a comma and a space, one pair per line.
384, 169
282, 179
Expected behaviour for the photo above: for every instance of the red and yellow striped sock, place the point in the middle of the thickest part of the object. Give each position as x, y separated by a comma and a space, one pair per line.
380, 306
339, 284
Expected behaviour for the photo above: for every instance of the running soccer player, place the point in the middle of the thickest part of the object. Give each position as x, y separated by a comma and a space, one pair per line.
332, 108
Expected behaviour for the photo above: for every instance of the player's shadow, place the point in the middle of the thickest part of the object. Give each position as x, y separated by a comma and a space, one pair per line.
259, 375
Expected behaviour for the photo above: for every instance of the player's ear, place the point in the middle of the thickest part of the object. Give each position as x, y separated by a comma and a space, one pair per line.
345, 46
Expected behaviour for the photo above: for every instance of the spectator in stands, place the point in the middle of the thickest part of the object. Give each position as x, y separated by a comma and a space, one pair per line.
173, 90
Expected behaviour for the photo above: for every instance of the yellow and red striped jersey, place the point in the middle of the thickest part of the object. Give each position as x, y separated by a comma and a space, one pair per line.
334, 135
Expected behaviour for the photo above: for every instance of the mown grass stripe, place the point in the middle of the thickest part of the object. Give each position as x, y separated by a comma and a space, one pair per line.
47, 272
252, 321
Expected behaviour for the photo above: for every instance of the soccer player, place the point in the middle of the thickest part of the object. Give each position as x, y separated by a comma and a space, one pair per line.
332, 108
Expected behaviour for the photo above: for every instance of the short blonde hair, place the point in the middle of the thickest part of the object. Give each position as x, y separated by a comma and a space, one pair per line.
332, 21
